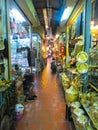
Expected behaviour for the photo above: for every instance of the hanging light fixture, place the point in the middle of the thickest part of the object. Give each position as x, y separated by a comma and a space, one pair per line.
45, 18
65, 14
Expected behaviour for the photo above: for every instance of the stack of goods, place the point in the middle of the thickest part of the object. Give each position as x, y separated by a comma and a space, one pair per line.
80, 118
94, 113
90, 103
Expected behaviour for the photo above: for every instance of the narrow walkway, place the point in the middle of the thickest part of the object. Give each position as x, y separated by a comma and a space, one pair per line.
47, 112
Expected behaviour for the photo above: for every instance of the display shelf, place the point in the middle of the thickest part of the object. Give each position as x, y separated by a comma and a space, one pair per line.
84, 127
76, 127
87, 109
87, 125
91, 85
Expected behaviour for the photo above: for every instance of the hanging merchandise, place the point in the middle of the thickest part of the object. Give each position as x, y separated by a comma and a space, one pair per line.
82, 68
82, 57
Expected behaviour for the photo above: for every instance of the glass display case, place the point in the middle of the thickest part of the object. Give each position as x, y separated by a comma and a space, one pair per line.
20, 34
19, 52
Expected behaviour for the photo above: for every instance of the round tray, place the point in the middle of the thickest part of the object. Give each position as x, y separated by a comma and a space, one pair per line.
82, 68
82, 57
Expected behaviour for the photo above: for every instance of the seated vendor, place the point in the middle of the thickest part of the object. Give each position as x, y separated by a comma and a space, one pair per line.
29, 86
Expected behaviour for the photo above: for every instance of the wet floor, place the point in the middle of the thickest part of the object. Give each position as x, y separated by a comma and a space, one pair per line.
48, 111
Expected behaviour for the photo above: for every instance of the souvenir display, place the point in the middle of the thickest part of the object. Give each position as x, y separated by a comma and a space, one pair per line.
83, 104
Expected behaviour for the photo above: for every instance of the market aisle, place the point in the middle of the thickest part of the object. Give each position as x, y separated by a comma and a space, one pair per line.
47, 112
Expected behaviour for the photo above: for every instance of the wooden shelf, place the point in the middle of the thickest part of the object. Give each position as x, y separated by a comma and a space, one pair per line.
91, 85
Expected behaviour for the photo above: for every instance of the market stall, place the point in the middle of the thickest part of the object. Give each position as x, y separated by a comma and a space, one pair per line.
80, 76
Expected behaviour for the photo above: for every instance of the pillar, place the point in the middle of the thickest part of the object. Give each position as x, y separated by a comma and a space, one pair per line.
87, 37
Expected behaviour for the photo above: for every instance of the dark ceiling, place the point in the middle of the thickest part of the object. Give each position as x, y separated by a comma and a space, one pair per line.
54, 10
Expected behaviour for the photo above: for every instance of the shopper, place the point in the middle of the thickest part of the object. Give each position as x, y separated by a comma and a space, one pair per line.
53, 65
29, 56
